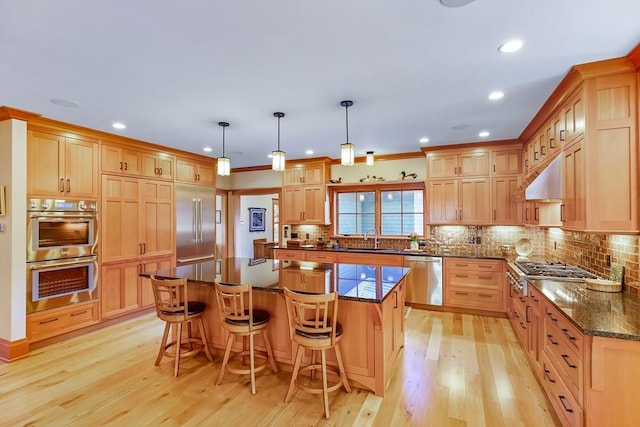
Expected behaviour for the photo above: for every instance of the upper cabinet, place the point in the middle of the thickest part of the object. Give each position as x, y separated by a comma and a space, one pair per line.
305, 198
455, 165
116, 159
158, 165
60, 166
309, 173
506, 162
195, 172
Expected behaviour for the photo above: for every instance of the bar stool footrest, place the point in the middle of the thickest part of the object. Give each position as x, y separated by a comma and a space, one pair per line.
317, 390
243, 371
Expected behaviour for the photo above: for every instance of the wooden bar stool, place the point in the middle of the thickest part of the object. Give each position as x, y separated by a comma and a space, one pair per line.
174, 307
239, 318
313, 325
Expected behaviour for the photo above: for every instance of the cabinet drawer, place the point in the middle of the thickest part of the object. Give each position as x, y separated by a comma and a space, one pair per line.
289, 255
478, 299
520, 324
473, 280
567, 408
474, 265
49, 323
567, 362
322, 257
368, 259
570, 333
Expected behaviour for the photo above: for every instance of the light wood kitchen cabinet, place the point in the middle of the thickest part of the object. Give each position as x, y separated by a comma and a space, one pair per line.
122, 289
138, 218
541, 214
309, 173
56, 321
304, 204
572, 211
195, 172
309, 279
116, 159
158, 165
59, 166
574, 118
289, 254
371, 259
464, 164
505, 207
534, 313
506, 162
460, 201
474, 284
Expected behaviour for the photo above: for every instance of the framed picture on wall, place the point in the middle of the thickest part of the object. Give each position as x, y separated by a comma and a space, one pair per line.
256, 219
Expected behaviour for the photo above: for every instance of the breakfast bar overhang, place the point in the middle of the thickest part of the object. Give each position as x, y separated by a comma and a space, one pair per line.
371, 307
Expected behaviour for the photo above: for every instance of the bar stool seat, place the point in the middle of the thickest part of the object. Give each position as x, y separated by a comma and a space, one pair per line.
173, 306
313, 326
239, 318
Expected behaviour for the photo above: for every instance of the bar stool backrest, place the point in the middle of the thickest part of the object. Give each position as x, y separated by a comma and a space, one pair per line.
235, 303
312, 314
171, 298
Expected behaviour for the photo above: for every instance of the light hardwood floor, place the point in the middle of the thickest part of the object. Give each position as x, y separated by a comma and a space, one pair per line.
455, 370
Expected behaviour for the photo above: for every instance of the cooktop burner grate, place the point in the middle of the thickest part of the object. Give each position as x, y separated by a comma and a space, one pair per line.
553, 269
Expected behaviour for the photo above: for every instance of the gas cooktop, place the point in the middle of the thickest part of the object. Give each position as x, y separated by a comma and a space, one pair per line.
553, 270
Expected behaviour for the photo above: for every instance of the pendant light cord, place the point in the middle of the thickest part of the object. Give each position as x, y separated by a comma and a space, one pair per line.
346, 115
223, 129
278, 133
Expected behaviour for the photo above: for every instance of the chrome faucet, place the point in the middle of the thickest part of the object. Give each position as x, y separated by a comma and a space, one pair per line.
375, 237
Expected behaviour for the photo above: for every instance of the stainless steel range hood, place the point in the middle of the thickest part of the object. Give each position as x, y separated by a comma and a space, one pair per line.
547, 186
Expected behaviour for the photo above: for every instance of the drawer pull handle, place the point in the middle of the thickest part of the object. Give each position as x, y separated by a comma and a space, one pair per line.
462, 293
550, 316
550, 338
462, 275
562, 399
79, 313
485, 295
485, 266
523, 326
567, 334
565, 357
43, 322
546, 374
485, 277
461, 265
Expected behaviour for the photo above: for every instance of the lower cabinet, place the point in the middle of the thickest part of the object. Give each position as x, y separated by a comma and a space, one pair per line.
57, 321
474, 284
123, 291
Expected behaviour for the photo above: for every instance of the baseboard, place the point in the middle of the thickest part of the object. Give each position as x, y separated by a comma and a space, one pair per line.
13, 350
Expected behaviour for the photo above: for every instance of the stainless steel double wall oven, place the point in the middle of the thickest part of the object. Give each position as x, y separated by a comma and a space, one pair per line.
62, 241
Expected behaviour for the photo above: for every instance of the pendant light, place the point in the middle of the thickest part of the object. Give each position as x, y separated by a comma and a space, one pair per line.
347, 150
278, 156
370, 159
224, 163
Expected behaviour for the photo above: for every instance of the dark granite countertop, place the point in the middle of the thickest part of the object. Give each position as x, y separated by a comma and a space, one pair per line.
604, 314
356, 282
470, 252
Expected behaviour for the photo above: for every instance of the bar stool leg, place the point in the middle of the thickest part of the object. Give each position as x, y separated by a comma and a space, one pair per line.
294, 374
325, 392
225, 360
267, 344
178, 342
343, 375
163, 344
205, 339
252, 362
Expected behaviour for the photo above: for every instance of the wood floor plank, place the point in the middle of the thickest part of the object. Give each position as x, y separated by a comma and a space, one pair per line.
455, 370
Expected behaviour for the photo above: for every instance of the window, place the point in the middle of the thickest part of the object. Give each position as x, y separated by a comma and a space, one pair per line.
392, 211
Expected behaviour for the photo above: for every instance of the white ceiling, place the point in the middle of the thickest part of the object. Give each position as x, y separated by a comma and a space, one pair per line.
171, 70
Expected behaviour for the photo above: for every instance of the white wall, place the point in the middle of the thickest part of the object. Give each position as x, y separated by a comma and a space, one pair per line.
388, 169
13, 240
254, 179
243, 238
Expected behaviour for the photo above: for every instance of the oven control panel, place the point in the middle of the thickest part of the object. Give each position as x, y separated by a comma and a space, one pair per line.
57, 205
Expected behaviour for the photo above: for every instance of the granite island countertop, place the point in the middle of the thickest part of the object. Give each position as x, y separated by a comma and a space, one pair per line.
356, 282
453, 252
604, 314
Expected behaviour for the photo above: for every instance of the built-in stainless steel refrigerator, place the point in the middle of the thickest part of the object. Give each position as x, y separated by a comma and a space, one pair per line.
195, 222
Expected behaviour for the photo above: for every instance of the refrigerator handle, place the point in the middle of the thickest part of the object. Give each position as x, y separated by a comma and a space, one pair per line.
194, 224
200, 220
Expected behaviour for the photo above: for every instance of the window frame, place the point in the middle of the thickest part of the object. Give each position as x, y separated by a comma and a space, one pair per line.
377, 189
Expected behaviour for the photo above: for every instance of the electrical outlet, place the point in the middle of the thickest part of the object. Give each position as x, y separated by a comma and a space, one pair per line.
555, 245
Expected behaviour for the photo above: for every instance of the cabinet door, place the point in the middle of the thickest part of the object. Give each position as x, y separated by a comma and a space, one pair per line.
81, 168
314, 174
120, 219
442, 165
574, 117
45, 164
206, 174
158, 218
443, 201
475, 201
293, 176
474, 164
557, 134
119, 289
507, 162
573, 207
157, 166
506, 211
186, 171
315, 199
145, 292
291, 206
120, 160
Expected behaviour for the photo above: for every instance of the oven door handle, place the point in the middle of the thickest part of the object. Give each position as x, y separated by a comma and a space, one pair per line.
49, 264
63, 217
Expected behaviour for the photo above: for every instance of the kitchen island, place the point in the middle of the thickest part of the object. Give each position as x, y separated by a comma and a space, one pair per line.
371, 307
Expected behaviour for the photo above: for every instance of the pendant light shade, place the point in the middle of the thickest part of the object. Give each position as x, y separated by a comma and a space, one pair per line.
347, 150
278, 156
370, 159
224, 163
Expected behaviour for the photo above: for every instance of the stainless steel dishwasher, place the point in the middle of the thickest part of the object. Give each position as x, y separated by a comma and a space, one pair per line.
424, 282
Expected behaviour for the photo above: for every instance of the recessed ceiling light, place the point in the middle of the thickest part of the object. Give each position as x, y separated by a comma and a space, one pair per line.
496, 95
119, 125
424, 140
65, 103
309, 152
511, 46
484, 134
455, 3
207, 149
